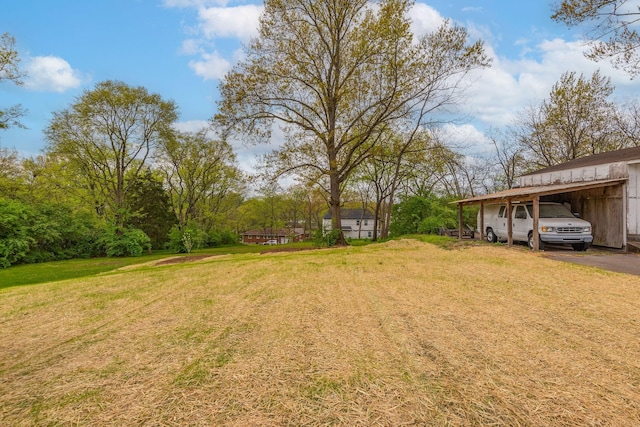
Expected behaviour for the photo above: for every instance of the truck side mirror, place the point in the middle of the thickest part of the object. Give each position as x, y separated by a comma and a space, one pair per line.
576, 214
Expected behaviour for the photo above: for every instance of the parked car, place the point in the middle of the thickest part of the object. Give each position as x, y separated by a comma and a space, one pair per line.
556, 224
271, 242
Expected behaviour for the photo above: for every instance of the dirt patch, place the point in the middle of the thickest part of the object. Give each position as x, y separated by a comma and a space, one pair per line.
285, 249
183, 259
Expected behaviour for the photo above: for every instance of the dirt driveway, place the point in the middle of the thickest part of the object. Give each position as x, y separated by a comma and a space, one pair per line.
607, 260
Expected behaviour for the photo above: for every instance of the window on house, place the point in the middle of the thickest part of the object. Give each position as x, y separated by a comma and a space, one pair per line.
369, 234
366, 222
357, 222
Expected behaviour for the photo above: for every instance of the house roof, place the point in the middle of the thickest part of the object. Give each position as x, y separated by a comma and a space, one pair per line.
271, 232
352, 214
624, 155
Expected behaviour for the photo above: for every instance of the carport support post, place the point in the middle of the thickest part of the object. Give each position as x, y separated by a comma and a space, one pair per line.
481, 224
536, 216
460, 221
509, 224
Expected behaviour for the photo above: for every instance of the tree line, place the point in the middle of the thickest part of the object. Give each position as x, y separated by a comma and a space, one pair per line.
360, 100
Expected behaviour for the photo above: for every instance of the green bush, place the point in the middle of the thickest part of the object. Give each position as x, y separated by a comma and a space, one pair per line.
125, 242
198, 238
426, 215
222, 237
325, 238
16, 220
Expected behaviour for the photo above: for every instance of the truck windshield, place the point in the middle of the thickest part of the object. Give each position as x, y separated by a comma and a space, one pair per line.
551, 211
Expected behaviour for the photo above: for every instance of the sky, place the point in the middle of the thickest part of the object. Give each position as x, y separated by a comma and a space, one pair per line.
181, 49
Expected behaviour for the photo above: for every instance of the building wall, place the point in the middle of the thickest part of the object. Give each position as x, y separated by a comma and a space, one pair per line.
611, 215
633, 202
358, 231
586, 174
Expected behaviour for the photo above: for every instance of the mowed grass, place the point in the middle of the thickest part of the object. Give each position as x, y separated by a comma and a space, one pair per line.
30, 274
400, 333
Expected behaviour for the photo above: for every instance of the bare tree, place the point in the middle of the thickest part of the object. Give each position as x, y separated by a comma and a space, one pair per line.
509, 158
612, 29
10, 71
575, 121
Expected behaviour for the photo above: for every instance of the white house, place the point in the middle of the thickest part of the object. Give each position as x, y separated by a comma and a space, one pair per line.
356, 223
603, 189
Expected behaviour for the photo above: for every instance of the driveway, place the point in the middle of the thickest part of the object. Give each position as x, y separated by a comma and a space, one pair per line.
607, 260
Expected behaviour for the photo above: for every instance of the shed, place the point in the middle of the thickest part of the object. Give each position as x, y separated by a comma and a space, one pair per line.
603, 188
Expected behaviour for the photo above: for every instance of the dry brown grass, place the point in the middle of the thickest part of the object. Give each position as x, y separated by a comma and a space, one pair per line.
402, 333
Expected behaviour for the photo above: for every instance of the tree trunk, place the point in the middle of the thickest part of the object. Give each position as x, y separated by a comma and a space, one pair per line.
334, 205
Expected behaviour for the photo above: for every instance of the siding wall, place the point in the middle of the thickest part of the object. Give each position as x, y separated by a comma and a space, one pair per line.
633, 201
586, 174
605, 208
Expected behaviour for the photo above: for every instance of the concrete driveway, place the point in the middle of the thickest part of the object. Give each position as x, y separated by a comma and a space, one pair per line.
607, 260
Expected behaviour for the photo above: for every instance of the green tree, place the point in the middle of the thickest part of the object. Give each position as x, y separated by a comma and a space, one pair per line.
200, 174
11, 173
335, 75
108, 135
151, 208
10, 71
575, 121
611, 28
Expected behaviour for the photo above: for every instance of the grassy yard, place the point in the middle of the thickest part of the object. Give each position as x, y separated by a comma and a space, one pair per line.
30, 274
400, 333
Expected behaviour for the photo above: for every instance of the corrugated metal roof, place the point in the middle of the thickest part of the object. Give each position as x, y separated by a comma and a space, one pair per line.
528, 193
618, 156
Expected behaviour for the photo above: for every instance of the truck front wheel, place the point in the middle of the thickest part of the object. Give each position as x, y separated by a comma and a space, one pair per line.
491, 236
540, 242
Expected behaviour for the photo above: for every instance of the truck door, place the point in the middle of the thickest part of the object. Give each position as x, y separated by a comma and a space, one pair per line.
520, 224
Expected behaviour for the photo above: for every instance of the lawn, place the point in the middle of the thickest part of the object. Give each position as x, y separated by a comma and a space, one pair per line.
399, 333
30, 274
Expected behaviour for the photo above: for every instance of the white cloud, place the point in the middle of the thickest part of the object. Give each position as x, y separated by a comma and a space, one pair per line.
191, 125
424, 19
190, 47
211, 66
50, 73
465, 138
498, 94
240, 22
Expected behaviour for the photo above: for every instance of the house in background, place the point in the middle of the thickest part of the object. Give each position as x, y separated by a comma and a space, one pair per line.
282, 235
603, 189
356, 223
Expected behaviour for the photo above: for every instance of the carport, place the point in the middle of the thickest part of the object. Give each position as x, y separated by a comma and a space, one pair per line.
527, 194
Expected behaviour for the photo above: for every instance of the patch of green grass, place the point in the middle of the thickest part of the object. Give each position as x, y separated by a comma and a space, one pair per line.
322, 387
31, 274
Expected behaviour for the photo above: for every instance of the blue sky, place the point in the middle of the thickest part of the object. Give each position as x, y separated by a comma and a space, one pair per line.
181, 48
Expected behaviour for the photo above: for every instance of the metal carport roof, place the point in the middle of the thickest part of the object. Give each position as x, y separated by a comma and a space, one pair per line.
524, 194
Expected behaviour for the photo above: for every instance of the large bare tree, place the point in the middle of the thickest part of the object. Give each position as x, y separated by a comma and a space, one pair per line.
335, 75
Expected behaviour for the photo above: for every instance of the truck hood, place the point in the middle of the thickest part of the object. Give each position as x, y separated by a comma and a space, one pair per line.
564, 222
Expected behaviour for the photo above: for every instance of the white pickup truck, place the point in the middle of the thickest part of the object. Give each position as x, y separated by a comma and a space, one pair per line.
555, 225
